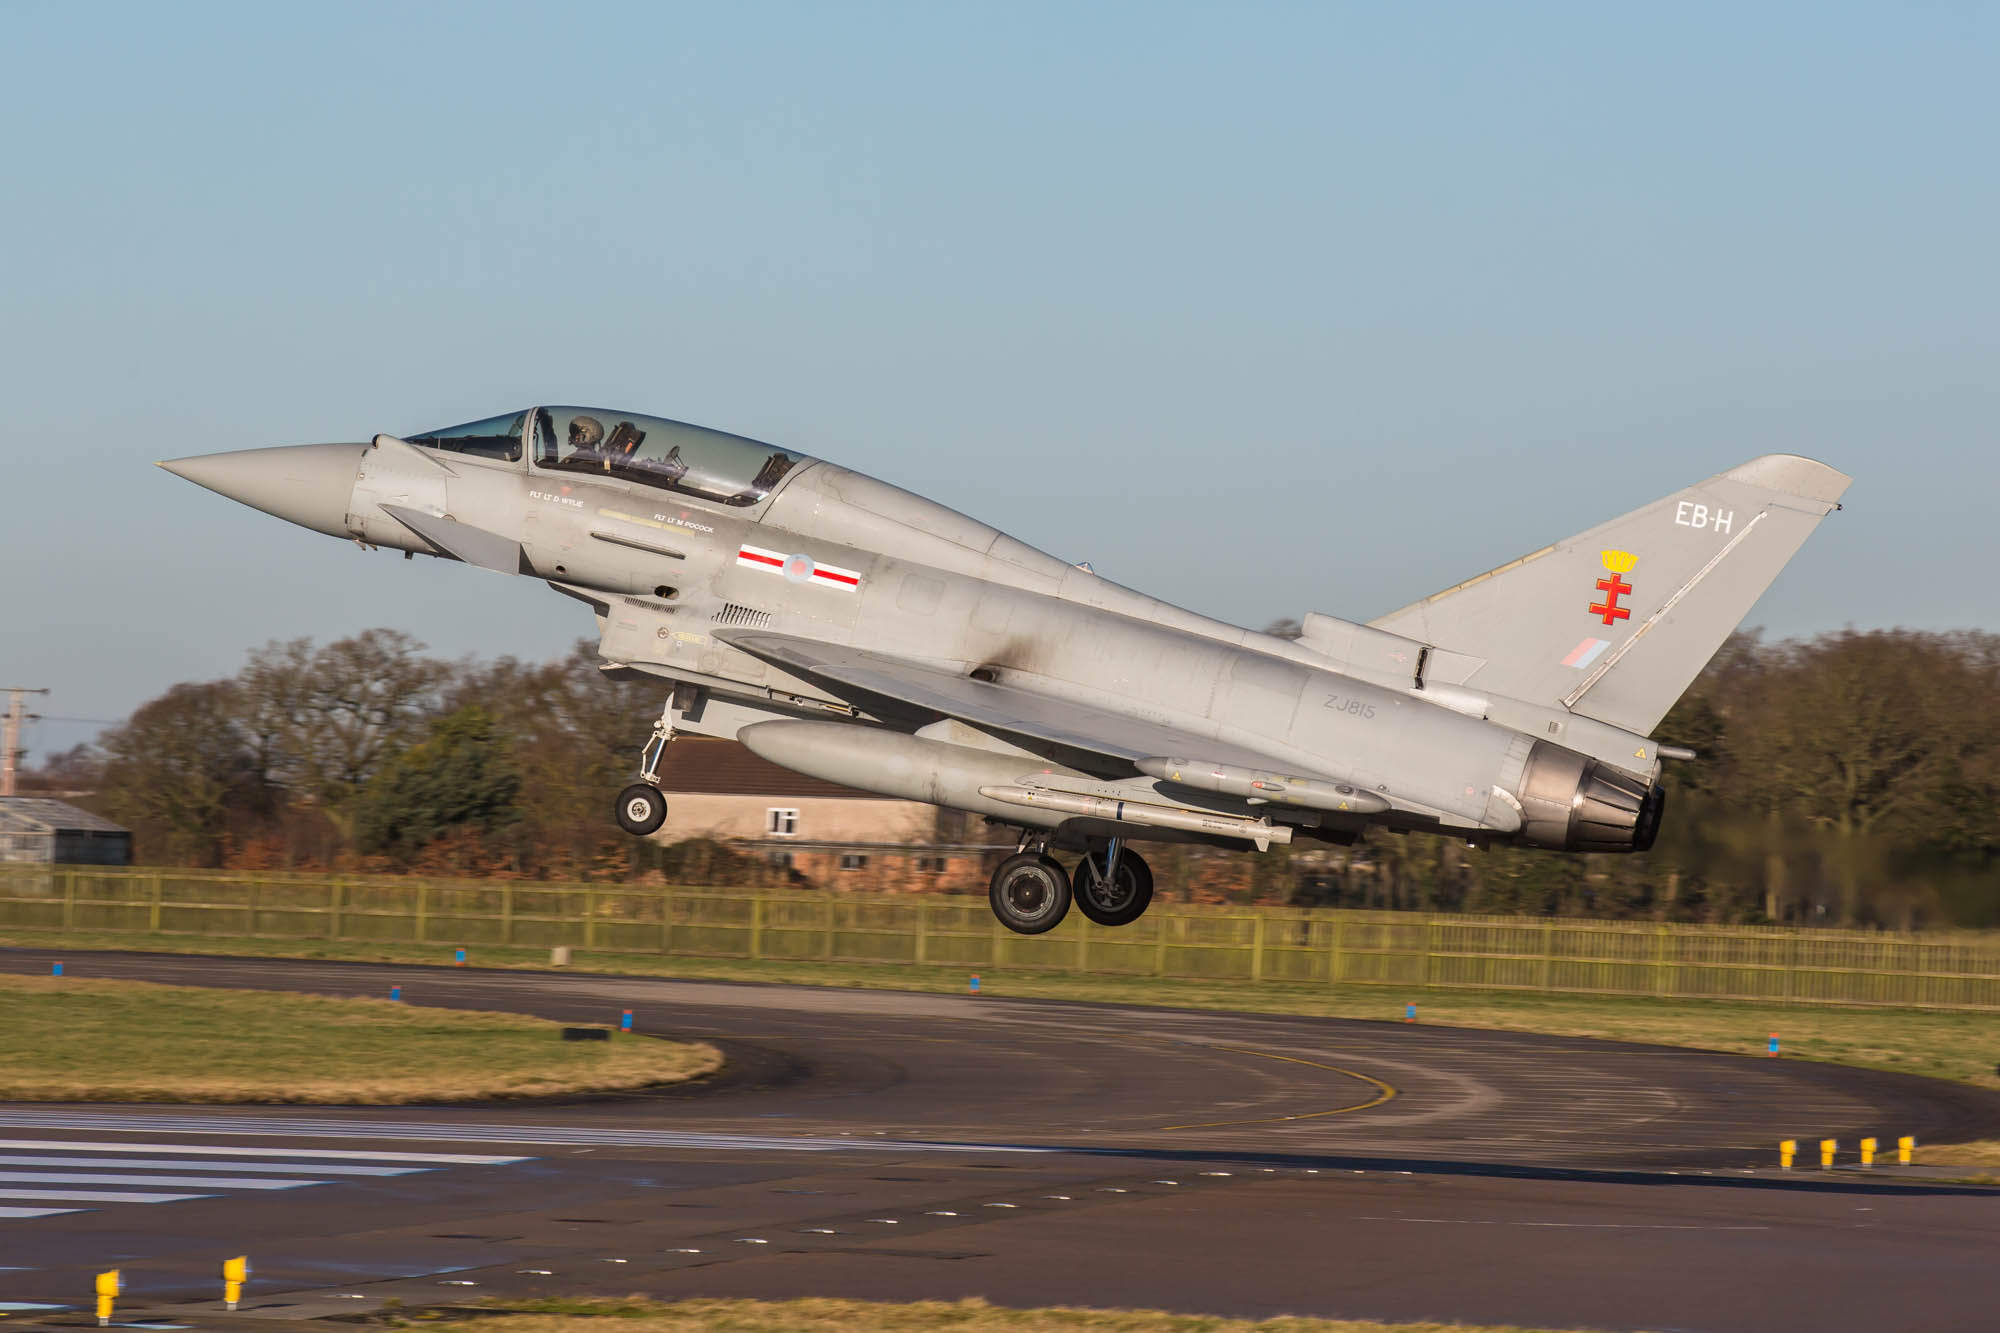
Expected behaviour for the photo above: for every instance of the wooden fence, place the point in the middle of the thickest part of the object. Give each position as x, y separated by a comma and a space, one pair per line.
1557, 955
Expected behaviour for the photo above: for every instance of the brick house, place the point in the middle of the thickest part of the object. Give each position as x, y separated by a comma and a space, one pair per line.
834, 836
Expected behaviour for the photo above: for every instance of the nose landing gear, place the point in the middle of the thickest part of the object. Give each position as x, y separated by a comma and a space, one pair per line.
641, 809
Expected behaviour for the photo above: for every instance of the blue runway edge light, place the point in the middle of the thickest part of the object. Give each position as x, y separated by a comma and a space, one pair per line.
974, 985
55, 969
395, 992
625, 1021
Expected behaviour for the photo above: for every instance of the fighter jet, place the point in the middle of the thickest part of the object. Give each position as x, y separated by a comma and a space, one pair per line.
847, 629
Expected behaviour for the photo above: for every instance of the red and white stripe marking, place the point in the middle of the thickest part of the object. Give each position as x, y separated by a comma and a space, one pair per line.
798, 568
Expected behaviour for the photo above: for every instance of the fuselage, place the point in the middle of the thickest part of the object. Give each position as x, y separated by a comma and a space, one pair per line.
671, 557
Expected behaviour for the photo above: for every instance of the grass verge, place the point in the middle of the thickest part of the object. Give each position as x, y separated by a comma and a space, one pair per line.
1984, 1152
75, 1039
1959, 1046
838, 1316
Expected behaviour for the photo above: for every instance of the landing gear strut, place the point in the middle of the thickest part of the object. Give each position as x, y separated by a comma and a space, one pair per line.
1030, 892
641, 809
1113, 887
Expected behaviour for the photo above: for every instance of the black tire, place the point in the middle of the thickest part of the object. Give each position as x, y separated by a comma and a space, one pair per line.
1119, 903
1030, 893
641, 810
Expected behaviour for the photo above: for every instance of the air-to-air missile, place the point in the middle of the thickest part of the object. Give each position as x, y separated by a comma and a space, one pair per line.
846, 629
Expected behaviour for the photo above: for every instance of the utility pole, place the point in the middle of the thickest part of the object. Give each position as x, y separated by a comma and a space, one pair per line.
10, 747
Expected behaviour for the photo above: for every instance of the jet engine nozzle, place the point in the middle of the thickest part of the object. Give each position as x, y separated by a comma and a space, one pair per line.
1572, 803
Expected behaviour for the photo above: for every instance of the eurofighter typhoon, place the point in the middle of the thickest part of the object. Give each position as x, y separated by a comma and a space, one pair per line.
859, 633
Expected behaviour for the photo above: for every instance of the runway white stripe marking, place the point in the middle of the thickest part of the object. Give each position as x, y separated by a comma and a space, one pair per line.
307, 1127
135, 1178
98, 1196
223, 1150
170, 1164
37, 1212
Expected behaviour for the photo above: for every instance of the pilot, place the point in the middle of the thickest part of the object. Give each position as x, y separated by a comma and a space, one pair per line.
585, 434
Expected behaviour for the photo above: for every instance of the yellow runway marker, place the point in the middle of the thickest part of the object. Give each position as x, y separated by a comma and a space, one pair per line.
1384, 1094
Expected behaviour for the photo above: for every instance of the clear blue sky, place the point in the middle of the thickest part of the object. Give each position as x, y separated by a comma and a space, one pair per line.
1261, 308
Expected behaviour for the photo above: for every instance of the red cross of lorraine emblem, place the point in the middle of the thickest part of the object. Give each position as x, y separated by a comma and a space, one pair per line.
1613, 588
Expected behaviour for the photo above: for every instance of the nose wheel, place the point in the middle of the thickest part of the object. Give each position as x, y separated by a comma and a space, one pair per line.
1030, 893
641, 810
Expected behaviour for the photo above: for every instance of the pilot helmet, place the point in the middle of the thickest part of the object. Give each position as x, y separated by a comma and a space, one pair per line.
585, 432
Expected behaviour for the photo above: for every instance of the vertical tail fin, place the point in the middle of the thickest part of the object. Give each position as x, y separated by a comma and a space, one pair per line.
1616, 622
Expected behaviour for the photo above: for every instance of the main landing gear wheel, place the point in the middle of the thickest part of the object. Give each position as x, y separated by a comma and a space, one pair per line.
1030, 893
641, 809
1116, 900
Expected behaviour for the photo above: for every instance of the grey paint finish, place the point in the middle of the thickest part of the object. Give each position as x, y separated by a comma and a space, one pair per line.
838, 623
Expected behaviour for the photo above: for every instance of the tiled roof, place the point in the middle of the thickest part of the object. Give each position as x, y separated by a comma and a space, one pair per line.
709, 767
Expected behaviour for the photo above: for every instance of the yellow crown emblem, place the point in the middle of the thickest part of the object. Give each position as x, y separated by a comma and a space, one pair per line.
1620, 562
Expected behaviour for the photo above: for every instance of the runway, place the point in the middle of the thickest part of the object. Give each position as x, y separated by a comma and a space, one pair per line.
898, 1146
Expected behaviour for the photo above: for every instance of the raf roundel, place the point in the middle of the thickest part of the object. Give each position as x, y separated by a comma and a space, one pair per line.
798, 568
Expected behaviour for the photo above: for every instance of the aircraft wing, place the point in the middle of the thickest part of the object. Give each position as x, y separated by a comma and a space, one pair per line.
1006, 710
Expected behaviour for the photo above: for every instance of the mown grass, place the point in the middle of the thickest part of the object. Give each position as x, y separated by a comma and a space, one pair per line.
78, 1039
1963, 1047
820, 1315
1983, 1152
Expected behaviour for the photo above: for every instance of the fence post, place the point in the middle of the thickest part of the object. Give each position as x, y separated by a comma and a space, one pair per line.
666, 921
1160, 920
589, 918
506, 914
153, 913
1257, 946
423, 911
757, 927
923, 929
69, 898
1430, 948
1548, 952
1333, 959
826, 948
1660, 974
1083, 945
333, 895
250, 908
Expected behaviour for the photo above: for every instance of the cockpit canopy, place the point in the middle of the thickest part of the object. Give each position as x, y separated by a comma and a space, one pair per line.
627, 446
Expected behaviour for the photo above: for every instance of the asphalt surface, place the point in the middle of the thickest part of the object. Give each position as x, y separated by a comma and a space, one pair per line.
896, 1146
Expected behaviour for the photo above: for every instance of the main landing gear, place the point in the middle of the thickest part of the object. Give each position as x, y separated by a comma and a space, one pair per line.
1113, 887
1031, 892
641, 809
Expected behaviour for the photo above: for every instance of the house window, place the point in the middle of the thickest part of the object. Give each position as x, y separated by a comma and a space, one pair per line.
780, 822
853, 861
779, 860
930, 865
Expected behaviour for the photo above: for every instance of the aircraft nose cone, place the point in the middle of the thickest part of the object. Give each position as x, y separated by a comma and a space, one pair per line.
306, 484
